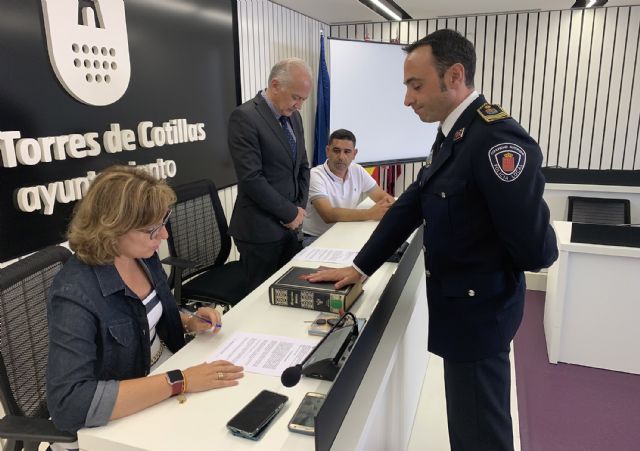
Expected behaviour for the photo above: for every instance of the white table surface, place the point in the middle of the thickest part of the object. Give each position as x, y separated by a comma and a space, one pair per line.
200, 423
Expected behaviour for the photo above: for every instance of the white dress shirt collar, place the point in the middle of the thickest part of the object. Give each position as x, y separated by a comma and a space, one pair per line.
451, 119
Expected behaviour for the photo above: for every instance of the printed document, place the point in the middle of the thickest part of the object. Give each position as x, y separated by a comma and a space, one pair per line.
326, 254
263, 354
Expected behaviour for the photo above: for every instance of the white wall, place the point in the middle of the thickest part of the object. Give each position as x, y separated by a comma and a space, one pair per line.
570, 77
269, 33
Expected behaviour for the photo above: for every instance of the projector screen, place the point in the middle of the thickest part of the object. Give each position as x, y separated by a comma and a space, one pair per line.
367, 97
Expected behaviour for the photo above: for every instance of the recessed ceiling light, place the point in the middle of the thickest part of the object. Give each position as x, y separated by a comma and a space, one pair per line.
588, 3
386, 8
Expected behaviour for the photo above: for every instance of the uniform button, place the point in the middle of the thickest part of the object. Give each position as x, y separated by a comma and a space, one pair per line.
144, 332
443, 194
427, 273
471, 293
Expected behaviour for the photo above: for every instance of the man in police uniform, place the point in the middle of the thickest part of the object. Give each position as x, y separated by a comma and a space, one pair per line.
485, 223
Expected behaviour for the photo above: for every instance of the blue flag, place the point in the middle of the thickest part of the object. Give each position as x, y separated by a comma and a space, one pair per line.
322, 110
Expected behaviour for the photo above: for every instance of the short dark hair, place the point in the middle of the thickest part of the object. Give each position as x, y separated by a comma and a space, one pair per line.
342, 133
449, 47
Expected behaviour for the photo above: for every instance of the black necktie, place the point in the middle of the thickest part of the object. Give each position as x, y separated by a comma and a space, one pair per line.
436, 145
284, 122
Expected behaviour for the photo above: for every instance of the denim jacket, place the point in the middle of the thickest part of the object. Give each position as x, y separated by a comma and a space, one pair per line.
98, 336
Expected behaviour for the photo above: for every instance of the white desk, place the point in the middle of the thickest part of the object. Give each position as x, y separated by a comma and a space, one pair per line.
592, 307
556, 195
382, 411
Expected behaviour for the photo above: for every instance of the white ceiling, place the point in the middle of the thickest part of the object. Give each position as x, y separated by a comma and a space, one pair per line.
337, 11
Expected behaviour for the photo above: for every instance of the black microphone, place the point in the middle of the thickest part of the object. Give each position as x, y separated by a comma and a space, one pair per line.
291, 376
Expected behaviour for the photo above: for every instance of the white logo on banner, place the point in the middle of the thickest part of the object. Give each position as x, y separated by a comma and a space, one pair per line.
91, 58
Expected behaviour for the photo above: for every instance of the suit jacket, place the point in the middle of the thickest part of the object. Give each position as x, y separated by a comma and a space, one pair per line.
485, 223
271, 185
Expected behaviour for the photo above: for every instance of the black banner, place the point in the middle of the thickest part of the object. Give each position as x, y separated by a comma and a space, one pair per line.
54, 136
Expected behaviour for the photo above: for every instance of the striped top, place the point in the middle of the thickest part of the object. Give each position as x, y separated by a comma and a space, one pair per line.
154, 312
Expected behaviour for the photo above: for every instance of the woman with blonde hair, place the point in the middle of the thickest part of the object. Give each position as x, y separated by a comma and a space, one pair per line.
112, 317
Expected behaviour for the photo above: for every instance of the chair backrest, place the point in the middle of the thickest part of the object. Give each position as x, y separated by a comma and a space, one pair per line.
198, 228
24, 336
597, 210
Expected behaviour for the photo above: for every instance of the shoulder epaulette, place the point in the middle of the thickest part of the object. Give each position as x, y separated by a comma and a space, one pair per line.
492, 113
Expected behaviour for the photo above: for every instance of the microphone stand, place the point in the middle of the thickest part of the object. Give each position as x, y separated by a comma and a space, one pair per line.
291, 376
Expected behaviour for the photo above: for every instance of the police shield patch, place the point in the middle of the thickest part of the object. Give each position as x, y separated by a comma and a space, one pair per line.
507, 161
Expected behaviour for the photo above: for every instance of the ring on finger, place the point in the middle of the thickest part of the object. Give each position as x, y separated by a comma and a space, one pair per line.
220, 375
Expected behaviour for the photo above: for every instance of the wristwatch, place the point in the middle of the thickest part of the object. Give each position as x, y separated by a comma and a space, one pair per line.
175, 379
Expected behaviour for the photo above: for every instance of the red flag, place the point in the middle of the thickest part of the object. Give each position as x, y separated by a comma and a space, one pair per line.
392, 174
374, 171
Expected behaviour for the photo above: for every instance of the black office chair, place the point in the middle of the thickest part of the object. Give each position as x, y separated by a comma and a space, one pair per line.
596, 210
24, 347
199, 246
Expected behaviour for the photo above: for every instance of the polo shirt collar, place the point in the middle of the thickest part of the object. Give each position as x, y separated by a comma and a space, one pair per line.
334, 177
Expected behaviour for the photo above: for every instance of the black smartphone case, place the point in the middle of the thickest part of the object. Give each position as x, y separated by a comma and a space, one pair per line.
252, 420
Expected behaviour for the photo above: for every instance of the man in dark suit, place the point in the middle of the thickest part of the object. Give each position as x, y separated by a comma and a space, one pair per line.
266, 140
485, 222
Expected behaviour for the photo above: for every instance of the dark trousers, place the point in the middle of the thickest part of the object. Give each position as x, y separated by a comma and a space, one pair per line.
261, 260
478, 406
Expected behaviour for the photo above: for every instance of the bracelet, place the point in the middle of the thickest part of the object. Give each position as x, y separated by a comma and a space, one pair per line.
184, 383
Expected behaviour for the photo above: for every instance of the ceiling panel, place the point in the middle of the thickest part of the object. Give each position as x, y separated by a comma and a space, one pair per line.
338, 11
420, 9
332, 11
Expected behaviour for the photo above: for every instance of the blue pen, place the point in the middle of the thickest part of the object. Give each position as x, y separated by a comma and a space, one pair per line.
201, 318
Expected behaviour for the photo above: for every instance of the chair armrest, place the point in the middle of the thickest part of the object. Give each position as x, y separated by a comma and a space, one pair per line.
180, 263
33, 430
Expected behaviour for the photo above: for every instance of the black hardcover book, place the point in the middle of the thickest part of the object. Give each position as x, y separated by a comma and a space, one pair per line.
291, 290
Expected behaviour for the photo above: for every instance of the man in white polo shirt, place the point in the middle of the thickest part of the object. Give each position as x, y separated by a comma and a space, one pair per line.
337, 187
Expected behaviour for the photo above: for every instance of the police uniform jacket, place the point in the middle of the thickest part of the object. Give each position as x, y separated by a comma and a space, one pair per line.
485, 222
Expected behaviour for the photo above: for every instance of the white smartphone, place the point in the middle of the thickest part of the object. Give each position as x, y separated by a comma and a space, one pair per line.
304, 419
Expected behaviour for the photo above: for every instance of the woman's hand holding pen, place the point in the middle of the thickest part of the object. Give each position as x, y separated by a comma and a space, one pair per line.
205, 318
207, 376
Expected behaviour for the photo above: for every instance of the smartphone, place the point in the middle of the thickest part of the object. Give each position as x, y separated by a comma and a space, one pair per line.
304, 420
252, 420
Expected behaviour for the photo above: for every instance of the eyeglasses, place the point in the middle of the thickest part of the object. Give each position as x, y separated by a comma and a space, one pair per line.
155, 231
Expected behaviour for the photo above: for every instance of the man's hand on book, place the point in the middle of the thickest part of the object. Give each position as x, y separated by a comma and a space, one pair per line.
342, 276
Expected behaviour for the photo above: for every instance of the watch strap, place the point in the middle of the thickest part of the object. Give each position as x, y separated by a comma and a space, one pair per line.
175, 379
